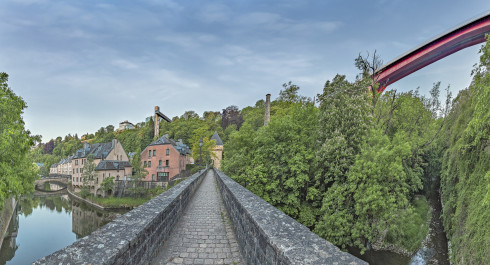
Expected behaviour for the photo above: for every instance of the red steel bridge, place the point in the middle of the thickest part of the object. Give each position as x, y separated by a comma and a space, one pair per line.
463, 36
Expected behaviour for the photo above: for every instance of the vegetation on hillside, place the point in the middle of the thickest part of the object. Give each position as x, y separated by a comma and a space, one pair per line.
465, 178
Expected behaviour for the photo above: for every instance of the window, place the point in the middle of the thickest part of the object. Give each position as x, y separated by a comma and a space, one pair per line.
166, 162
149, 163
154, 152
149, 153
73, 171
77, 170
81, 170
145, 164
76, 162
160, 163
153, 177
83, 161
168, 151
163, 176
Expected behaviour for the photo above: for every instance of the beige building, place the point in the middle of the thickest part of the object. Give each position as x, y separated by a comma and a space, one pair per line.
53, 169
111, 151
217, 151
125, 125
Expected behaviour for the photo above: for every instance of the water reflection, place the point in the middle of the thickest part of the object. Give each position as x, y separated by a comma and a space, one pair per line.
86, 219
42, 225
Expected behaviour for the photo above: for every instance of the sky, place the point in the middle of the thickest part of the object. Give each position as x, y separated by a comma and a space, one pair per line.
82, 65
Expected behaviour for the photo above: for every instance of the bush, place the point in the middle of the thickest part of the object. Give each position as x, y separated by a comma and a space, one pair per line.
412, 227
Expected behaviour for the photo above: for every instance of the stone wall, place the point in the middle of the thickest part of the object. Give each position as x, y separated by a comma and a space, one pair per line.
135, 237
268, 236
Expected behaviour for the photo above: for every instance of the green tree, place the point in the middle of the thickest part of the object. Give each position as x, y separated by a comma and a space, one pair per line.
89, 176
356, 209
139, 172
107, 184
344, 121
17, 172
205, 152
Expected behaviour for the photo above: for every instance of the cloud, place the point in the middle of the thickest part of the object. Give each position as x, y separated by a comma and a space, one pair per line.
125, 64
215, 12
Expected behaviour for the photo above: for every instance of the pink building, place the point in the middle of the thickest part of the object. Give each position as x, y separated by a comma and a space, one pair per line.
165, 158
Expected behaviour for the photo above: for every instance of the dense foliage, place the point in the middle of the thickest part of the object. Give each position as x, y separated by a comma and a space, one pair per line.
348, 169
17, 173
465, 179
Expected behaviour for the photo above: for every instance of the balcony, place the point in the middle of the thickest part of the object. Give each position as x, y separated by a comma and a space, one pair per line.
163, 169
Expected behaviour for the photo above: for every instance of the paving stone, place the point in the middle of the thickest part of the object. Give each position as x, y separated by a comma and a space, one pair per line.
203, 234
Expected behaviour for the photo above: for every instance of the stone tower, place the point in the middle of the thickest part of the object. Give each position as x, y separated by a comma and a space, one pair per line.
267, 117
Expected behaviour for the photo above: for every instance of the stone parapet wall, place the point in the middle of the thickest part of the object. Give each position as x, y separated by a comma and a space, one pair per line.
268, 236
135, 237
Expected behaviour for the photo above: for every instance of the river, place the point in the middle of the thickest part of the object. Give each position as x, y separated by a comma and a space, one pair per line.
434, 249
43, 225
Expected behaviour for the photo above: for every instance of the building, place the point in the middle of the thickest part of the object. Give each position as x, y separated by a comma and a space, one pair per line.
125, 125
165, 158
53, 169
111, 151
65, 164
120, 170
217, 150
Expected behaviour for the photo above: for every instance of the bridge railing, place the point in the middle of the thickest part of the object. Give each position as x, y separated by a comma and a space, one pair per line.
135, 237
268, 236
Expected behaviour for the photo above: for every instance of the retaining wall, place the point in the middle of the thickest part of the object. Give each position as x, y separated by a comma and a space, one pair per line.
135, 237
268, 236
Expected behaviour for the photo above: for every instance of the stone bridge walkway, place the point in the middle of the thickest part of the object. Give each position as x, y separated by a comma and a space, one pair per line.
203, 235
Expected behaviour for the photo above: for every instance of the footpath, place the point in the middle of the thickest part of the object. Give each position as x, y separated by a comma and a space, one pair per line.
203, 235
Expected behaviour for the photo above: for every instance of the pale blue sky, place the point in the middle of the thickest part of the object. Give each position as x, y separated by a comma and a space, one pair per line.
81, 65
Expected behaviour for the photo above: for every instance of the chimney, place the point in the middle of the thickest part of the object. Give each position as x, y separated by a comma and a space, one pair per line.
157, 120
114, 141
267, 118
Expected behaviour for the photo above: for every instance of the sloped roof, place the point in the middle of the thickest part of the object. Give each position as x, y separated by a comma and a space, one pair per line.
179, 145
98, 150
162, 140
217, 138
112, 165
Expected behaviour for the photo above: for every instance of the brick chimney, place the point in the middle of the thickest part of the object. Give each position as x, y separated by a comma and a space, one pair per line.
157, 120
267, 117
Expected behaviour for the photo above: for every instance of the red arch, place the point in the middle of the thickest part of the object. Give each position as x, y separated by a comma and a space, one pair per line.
466, 35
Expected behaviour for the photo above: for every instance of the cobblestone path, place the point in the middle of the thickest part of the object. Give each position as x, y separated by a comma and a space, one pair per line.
203, 235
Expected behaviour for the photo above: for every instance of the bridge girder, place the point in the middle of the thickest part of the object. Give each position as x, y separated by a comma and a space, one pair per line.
466, 35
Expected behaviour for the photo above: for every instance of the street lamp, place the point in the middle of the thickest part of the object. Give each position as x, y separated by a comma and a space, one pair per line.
200, 152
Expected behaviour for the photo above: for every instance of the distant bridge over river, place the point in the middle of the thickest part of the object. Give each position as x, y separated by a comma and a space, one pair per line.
52, 185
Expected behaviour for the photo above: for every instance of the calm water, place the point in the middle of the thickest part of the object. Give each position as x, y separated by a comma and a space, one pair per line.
43, 225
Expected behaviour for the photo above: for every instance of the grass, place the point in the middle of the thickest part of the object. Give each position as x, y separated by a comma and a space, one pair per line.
410, 230
120, 202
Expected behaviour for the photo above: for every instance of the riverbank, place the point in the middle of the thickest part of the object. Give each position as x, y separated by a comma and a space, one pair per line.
6, 216
121, 203
100, 206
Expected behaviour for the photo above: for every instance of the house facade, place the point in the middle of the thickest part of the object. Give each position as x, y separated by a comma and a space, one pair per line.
111, 151
164, 159
53, 169
120, 170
